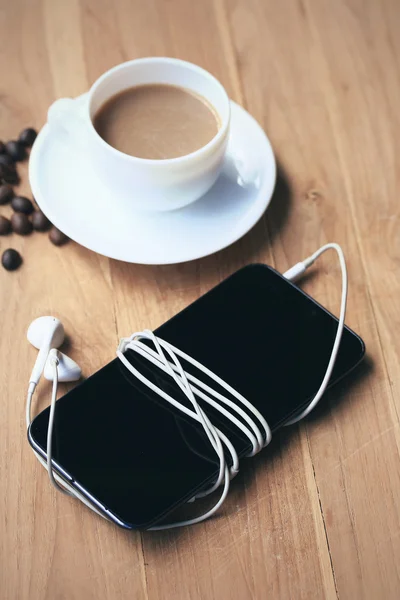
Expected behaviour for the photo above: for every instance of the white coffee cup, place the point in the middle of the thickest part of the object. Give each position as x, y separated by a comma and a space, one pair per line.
145, 183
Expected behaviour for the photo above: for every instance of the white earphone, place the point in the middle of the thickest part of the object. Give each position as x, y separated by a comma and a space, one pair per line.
47, 334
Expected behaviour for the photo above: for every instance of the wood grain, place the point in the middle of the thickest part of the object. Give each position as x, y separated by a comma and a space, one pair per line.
317, 515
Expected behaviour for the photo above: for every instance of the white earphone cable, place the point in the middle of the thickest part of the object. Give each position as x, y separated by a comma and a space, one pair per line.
166, 357
49, 451
339, 332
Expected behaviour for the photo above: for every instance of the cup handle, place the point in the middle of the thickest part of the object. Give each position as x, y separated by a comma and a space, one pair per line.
237, 169
66, 116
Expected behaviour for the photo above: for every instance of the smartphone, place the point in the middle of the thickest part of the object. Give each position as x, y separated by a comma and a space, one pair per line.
137, 458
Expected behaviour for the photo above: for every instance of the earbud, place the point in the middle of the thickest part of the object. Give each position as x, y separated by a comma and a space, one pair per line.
67, 368
47, 334
44, 333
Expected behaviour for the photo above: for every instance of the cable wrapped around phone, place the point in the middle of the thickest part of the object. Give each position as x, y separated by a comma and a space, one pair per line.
233, 406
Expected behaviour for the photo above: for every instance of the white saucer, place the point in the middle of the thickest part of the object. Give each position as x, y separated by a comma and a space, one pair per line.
73, 199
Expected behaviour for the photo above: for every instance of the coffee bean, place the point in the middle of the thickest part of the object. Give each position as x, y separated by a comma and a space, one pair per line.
21, 224
5, 159
27, 136
2, 148
22, 205
11, 259
16, 150
8, 174
57, 237
5, 225
6, 193
40, 222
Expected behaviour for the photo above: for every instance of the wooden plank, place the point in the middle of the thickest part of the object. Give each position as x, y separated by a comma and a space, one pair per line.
372, 468
51, 546
325, 106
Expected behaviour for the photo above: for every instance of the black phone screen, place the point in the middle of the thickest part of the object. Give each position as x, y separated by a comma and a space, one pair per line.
137, 457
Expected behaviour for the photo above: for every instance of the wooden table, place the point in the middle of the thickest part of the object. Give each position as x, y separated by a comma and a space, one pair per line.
318, 514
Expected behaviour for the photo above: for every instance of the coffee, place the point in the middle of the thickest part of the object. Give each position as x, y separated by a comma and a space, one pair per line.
157, 121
